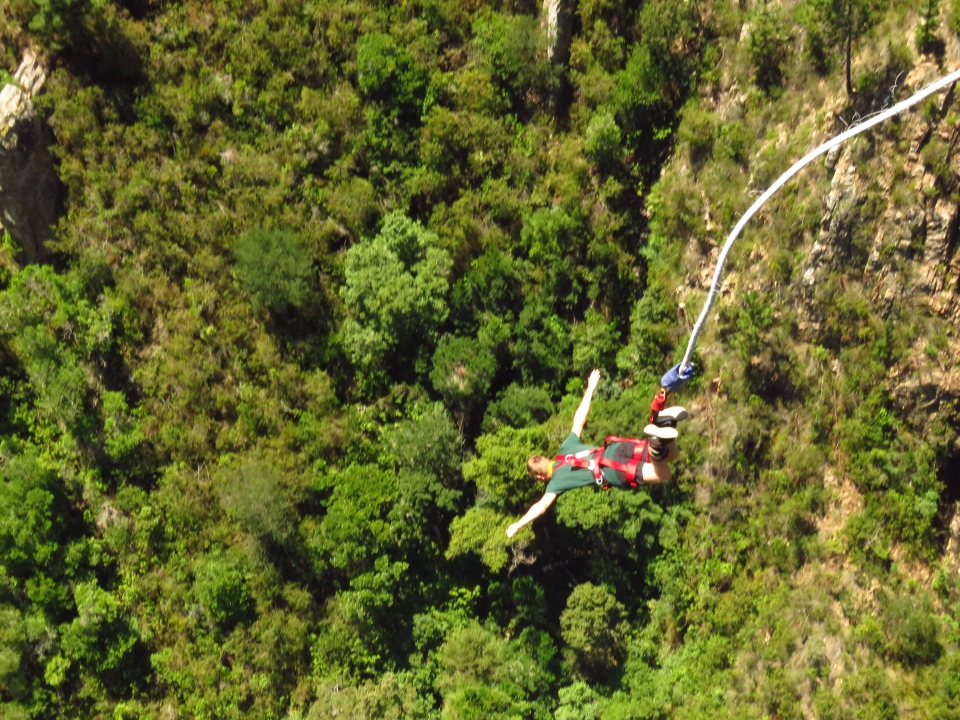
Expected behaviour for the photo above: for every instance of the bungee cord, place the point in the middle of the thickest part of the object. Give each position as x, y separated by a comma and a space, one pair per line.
865, 125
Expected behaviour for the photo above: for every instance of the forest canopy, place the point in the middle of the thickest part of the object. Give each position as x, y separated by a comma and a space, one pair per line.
326, 273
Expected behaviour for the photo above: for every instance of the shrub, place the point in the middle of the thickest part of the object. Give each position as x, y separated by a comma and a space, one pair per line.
255, 495
697, 131
926, 35
768, 46
912, 632
395, 289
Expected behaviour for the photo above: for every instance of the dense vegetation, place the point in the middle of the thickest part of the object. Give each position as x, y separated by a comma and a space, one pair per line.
329, 271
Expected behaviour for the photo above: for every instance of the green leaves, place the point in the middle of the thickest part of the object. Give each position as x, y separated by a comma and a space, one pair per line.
396, 287
462, 371
768, 45
220, 589
499, 469
274, 267
389, 74
593, 627
500, 473
258, 495
482, 530
484, 675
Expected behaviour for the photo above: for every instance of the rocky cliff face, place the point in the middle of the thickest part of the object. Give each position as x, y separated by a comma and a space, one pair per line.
912, 256
29, 187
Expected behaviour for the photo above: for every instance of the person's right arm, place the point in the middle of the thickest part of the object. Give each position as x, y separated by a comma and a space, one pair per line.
580, 418
538, 509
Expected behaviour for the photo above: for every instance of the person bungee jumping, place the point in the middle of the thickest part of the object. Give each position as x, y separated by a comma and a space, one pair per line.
620, 462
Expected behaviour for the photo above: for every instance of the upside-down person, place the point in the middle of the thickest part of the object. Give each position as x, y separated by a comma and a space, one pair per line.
620, 462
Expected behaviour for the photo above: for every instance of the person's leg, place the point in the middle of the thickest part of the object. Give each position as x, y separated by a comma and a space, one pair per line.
663, 450
656, 471
673, 452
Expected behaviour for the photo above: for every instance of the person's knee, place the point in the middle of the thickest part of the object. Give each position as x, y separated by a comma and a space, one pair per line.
656, 472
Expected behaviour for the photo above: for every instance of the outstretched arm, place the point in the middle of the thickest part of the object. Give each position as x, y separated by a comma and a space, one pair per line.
538, 509
580, 419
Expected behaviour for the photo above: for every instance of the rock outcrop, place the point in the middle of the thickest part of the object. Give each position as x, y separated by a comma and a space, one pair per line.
29, 187
556, 16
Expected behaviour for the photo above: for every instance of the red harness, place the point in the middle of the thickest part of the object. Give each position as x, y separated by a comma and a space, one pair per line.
594, 461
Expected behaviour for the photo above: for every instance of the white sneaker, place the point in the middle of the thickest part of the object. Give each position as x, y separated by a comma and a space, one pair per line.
671, 416
660, 433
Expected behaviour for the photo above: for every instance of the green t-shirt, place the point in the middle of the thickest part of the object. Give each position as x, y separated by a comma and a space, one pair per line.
567, 478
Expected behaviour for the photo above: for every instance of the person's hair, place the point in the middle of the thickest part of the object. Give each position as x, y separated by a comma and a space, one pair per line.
538, 465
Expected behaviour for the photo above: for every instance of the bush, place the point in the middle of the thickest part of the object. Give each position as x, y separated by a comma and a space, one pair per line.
697, 131
912, 631
768, 45
396, 291
926, 35
594, 344
954, 16
734, 142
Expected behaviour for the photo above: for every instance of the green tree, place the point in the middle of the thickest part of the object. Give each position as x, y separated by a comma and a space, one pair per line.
594, 628
389, 74
274, 267
578, 702
642, 357
259, 496
511, 50
462, 371
428, 442
518, 407
391, 696
926, 36
839, 24
541, 344
594, 343
499, 472
485, 675
768, 45
395, 289
363, 624
602, 142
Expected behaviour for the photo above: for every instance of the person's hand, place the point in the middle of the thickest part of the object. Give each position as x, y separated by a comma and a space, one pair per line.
512, 530
593, 380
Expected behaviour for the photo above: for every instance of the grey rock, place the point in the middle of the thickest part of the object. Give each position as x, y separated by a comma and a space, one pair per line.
30, 190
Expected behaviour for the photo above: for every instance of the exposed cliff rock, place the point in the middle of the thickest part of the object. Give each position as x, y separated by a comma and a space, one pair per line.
29, 187
907, 237
556, 16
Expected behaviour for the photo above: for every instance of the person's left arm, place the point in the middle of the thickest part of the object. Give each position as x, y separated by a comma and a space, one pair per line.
580, 418
538, 509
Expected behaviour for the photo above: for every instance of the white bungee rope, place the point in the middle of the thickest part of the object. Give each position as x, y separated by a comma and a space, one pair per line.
781, 181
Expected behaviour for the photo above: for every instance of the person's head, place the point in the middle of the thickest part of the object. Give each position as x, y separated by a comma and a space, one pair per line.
539, 467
